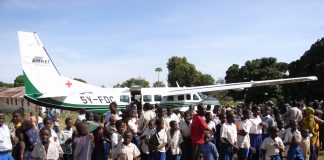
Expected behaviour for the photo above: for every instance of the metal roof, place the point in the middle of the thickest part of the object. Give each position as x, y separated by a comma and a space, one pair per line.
12, 92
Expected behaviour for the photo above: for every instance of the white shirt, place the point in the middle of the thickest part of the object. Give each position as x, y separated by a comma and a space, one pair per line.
56, 142
244, 141
162, 138
116, 138
108, 115
255, 128
229, 132
147, 116
39, 119
172, 117
174, 142
269, 145
5, 141
211, 125
125, 152
133, 125
184, 128
40, 153
65, 134
289, 135
216, 119
81, 117
148, 133
282, 133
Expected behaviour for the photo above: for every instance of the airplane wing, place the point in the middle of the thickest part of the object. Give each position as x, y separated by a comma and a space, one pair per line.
233, 86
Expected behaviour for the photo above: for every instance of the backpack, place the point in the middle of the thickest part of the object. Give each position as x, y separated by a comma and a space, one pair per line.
32, 138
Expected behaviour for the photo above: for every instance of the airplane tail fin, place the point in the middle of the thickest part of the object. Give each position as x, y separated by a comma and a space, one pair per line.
38, 69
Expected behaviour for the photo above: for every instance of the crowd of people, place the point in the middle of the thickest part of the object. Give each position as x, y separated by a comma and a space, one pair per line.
267, 131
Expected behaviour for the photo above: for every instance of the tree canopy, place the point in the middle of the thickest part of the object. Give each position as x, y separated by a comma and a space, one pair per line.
185, 73
158, 84
309, 64
7, 85
258, 69
19, 81
128, 83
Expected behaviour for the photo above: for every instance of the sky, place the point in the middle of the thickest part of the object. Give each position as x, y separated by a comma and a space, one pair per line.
108, 42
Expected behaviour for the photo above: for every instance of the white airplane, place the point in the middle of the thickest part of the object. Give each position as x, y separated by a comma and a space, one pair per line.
46, 87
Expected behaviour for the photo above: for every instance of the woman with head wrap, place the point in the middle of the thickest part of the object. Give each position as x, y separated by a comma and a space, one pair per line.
311, 122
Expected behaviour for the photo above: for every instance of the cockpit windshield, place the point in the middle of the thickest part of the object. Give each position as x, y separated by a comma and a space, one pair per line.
202, 96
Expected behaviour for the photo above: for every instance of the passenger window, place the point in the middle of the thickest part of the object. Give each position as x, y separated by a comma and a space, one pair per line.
180, 97
195, 97
188, 97
147, 98
157, 98
124, 98
170, 98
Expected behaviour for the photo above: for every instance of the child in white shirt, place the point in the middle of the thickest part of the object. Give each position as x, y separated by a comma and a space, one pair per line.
46, 149
126, 150
158, 141
305, 144
174, 141
148, 132
184, 127
243, 138
272, 146
65, 139
292, 139
228, 134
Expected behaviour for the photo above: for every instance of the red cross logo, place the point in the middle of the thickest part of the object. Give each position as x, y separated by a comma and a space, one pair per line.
69, 84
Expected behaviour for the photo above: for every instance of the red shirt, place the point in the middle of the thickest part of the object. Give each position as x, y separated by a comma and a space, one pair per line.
198, 126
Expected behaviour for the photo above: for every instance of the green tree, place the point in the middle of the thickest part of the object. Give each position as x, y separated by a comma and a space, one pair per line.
80, 80
158, 84
128, 83
185, 73
7, 85
158, 70
203, 79
255, 70
19, 81
311, 63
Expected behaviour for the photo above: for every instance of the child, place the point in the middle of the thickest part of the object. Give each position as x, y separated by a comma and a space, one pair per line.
46, 149
222, 119
243, 138
174, 141
267, 120
5, 142
184, 126
82, 145
66, 139
305, 144
208, 151
54, 138
272, 146
126, 150
116, 137
281, 128
158, 141
148, 132
32, 119
40, 120
228, 136
256, 134
292, 139
211, 124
